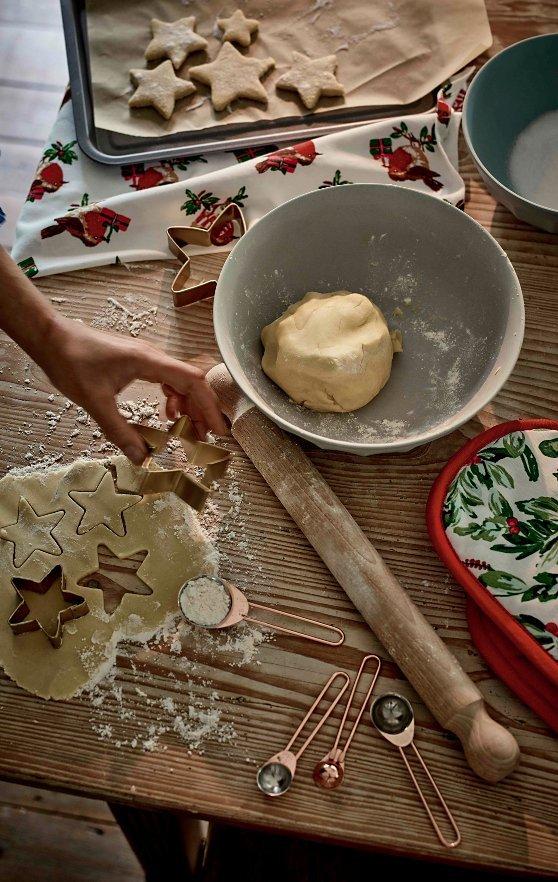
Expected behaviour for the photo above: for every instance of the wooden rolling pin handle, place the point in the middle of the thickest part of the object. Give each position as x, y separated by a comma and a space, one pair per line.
453, 698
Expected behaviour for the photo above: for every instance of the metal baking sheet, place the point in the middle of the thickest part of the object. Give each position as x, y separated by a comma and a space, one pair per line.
114, 148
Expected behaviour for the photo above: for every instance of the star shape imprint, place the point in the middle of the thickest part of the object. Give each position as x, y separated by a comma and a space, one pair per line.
233, 75
311, 78
159, 88
174, 40
237, 28
103, 506
31, 532
74, 606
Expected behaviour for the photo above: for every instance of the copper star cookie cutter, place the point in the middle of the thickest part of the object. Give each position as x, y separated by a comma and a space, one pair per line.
21, 624
212, 459
178, 237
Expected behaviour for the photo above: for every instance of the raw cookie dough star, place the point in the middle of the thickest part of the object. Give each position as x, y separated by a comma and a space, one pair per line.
174, 40
31, 532
311, 78
159, 88
103, 506
237, 28
233, 75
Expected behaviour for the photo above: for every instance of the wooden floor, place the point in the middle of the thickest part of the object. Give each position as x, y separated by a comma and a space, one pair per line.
33, 75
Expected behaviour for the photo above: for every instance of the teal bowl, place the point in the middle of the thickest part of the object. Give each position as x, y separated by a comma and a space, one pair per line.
510, 123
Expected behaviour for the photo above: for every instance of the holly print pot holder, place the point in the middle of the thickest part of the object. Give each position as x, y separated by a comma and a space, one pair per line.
492, 517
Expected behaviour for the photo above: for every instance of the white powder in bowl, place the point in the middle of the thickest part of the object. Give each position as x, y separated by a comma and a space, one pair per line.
204, 601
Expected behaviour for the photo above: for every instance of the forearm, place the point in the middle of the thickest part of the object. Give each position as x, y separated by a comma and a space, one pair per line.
25, 315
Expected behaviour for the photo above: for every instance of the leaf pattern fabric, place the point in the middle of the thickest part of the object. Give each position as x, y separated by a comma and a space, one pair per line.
128, 208
501, 517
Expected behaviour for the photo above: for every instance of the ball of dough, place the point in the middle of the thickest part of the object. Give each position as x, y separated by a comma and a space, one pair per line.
329, 352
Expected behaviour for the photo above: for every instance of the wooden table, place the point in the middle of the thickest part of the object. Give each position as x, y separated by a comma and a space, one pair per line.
510, 826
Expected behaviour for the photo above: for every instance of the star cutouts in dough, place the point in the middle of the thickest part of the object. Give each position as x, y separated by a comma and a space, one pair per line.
159, 88
311, 78
116, 577
104, 506
233, 75
52, 606
31, 532
174, 40
237, 28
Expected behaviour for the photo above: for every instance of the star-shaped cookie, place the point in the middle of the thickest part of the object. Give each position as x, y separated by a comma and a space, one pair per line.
237, 28
311, 78
232, 75
31, 532
103, 506
174, 40
159, 88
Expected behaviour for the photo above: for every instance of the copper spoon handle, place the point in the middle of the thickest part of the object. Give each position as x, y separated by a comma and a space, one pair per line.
284, 630
313, 707
448, 844
352, 732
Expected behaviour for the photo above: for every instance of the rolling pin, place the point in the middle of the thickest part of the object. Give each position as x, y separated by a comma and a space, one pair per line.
452, 697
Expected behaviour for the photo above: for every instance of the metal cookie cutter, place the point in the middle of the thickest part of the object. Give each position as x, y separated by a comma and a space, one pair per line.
214, 460
238, 608
393, 717
330, 771
21, 624
178, 237
276, 775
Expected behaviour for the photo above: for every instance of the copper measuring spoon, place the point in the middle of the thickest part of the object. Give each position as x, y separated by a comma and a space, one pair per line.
276, 775
393, 717
330, 771
239, 609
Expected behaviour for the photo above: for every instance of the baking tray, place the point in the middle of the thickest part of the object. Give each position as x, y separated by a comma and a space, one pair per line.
115, 148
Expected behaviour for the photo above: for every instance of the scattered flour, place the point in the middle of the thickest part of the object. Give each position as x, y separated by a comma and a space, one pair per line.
120, 317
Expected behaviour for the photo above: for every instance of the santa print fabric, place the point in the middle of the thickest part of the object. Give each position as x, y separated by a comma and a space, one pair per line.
80, 213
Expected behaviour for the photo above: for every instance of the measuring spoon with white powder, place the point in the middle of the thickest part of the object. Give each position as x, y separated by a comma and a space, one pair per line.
214, 603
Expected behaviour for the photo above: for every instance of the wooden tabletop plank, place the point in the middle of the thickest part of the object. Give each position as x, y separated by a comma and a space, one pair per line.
509, 826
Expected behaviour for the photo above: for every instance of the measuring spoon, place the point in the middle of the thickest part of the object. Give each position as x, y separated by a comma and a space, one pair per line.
230, 597
276, 775
393, 717
330, 771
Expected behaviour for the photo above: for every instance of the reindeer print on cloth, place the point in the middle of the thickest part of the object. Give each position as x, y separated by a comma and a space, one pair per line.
85, 214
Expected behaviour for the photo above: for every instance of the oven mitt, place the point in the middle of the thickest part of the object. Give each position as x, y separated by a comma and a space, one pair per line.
492, 516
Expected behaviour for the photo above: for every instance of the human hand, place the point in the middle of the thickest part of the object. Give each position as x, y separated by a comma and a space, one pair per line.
91, 367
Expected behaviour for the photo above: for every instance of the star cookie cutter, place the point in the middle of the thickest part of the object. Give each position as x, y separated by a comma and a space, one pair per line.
21, 624
214, 461
178, 237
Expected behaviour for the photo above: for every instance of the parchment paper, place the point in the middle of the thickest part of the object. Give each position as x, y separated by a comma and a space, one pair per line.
390, 52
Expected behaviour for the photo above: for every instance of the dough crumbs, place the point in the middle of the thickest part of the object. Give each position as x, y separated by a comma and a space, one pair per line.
159, 88
175, 40
238, 29
311, 78
232, 75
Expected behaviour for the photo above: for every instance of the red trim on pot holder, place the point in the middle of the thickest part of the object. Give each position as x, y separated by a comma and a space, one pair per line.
489, 605
511, 666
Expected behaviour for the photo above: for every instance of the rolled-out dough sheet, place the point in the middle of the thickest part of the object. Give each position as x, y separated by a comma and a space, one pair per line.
389, 52
161, 524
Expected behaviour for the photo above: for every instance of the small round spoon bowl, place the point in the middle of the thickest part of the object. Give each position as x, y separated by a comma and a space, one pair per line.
329, 771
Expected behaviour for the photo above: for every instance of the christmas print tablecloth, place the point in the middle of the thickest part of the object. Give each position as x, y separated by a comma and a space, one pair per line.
80, 213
